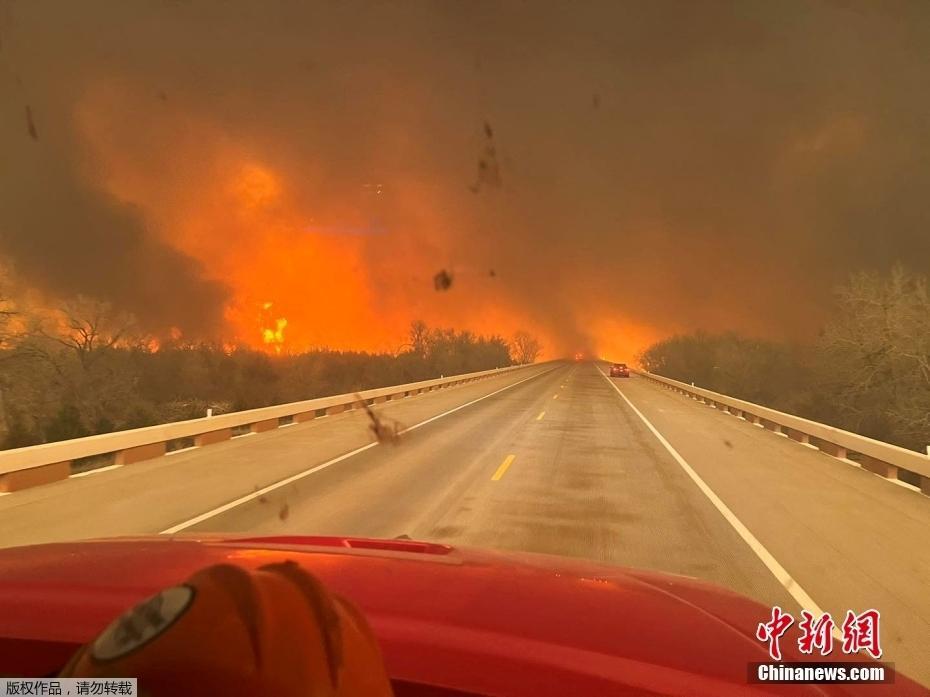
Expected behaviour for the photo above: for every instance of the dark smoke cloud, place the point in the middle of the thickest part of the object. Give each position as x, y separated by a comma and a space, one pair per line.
62, 233
675, 165
69, 239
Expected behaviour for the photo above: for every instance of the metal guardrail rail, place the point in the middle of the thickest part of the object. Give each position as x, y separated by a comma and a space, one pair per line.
21, 468
873, 455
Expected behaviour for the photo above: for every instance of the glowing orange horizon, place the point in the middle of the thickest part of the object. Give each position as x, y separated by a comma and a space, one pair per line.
298, 283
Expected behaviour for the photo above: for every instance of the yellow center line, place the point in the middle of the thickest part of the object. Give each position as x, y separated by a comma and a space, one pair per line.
541, 414
503, 468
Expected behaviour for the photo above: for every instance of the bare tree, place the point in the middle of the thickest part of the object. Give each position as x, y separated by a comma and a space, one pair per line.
9, 309
875, 356
88, 327
88, 379
10, 321
419, 336
7, 313
525, 348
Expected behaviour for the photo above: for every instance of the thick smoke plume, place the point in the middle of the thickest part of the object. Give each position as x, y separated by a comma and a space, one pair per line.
627, 169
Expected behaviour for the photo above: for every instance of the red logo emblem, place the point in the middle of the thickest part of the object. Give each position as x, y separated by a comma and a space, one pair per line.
773, 630
860, 632
816, 634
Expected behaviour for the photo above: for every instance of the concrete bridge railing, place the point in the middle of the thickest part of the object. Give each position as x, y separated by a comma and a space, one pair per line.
21, 468
876, 456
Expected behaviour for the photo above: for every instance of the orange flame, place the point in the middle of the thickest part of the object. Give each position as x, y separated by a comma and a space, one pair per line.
280, 230
273, 335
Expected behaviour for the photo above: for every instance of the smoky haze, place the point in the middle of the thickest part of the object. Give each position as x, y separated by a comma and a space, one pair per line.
602, 174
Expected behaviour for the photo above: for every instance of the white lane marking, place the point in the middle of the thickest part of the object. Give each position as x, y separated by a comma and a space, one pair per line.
778, 571
284, 482
93, 471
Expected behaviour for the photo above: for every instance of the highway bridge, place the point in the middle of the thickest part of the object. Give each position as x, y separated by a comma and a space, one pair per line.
554, 458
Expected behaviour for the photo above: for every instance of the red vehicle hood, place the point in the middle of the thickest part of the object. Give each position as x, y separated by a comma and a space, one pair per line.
476, 621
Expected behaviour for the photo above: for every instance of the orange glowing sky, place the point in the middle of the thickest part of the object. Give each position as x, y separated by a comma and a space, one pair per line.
655, 171
304, 271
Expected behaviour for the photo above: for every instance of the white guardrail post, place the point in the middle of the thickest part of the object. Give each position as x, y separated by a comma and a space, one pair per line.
21, 468
881, 458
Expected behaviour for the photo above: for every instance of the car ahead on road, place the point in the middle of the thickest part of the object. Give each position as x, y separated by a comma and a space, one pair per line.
450, 622
619, 370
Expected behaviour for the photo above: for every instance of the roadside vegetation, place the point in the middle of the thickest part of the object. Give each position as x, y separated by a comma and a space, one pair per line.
868, 371
84, 369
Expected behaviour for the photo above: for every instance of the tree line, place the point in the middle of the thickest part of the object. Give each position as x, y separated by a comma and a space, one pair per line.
84, 369
868, 371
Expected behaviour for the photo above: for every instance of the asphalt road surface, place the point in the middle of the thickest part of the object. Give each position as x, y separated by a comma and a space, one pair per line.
556, 459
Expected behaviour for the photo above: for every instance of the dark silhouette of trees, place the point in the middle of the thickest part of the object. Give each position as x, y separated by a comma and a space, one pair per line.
84, 369
525, 348
87, 327
868, 371
874, 357
764, 372
71, 372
